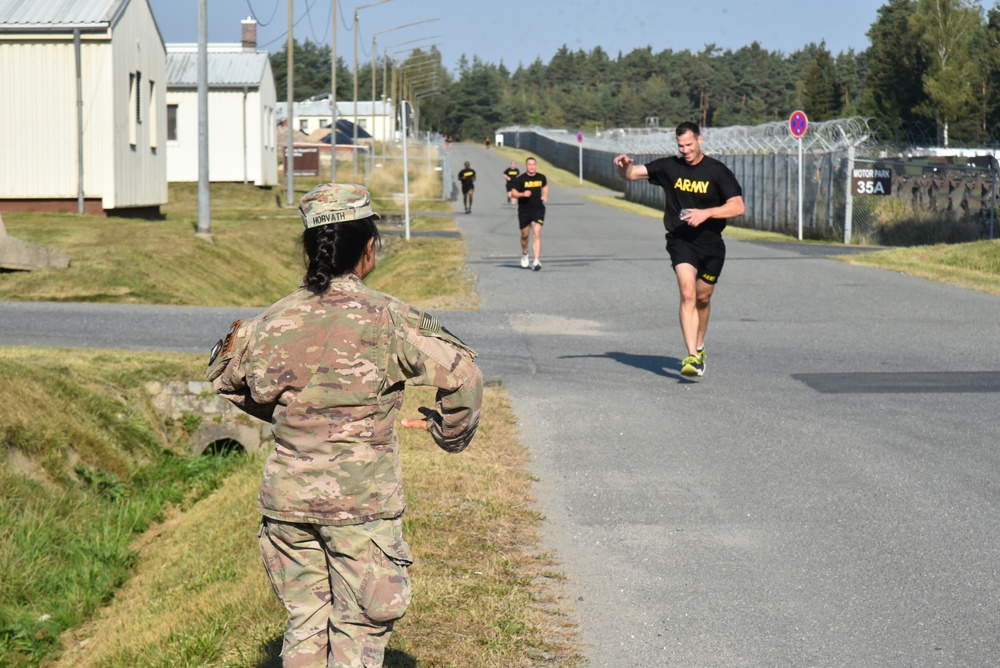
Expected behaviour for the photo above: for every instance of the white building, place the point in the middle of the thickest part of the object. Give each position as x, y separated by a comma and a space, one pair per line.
100, 137
242, 125
377, 120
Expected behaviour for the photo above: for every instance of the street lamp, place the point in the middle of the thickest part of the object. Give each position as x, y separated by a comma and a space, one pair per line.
396, 95
375, 56
420, 64
385, 55
385, 76
406, 179
417, 90
434, 89
356, 10
412, 81
333, 93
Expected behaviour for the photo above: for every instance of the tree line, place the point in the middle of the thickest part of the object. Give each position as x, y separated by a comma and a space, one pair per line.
930, 63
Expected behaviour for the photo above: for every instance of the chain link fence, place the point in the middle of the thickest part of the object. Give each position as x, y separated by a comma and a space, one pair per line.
427, 160
855, 189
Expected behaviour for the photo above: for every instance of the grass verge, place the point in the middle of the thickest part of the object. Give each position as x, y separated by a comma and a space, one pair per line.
83, 470
482, 591
974, 265
430, 273
254, 260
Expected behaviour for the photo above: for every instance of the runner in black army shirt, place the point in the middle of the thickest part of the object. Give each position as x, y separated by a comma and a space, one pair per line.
531, 190
701, 193
468, 179
509, 174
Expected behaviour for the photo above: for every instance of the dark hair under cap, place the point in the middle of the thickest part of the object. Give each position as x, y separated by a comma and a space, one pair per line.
339, 223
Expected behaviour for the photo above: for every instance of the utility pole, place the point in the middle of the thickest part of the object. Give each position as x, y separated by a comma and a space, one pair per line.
333, 98
79, 122
356, 10
355, 119
204, 229
290, 114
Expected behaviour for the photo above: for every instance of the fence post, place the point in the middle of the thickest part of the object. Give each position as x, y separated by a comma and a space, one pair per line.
830, 185
849, 199
801, 167
773, 190
786, 223
993, 192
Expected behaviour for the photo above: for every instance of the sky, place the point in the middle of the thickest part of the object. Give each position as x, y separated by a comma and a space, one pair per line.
518, 33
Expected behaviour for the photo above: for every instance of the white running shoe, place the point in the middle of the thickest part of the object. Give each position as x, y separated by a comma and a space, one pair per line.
524, 260
537, 266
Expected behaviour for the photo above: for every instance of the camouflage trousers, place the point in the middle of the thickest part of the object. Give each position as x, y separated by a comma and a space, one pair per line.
343, 587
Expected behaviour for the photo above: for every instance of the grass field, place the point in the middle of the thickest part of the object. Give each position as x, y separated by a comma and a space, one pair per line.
198, 596
254, 260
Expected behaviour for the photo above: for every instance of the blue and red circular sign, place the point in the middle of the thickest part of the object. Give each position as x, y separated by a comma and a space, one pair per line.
798, 123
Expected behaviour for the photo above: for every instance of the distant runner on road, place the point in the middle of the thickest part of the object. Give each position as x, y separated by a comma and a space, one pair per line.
467, 177
531, 190
509, 175
701, 193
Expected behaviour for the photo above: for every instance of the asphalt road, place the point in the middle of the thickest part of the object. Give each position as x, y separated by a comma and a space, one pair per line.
826, 495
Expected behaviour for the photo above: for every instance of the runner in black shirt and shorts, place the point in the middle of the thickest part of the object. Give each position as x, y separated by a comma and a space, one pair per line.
701, 193
467, 177
531, 190
508, 175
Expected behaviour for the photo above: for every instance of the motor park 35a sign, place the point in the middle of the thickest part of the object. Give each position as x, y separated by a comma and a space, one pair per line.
871, 179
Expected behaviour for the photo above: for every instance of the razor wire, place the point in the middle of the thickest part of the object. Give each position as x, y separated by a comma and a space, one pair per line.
774, 137
945, 203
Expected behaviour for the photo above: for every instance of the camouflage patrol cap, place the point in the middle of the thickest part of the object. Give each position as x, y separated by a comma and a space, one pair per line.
330, 203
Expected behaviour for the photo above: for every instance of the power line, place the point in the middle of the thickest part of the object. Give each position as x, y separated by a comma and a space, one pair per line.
257, 19
340, 10
360, 36
316, 39
343, 21
284, 34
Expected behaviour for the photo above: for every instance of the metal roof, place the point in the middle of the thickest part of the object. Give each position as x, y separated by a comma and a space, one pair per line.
233, 69
58, 14
344, 108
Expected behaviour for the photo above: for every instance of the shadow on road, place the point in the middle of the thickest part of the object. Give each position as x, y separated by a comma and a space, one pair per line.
657, 364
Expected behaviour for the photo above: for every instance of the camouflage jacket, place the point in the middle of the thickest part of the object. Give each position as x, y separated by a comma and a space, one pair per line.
328, 371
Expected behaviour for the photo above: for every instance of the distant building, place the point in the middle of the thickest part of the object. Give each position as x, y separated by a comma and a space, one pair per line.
120, 102
242, 124
314, 114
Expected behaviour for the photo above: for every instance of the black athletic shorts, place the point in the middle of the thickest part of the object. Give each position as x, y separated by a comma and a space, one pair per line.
528, 215
706, 254
467, 186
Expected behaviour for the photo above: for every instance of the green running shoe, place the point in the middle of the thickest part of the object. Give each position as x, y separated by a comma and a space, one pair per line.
693, 365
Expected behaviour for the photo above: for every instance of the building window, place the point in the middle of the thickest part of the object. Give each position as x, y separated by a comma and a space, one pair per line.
133, 103
138, 98
171, 122
153, 116
304, 124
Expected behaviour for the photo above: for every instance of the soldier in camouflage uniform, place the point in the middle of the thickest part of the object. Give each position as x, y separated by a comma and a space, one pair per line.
327, 367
